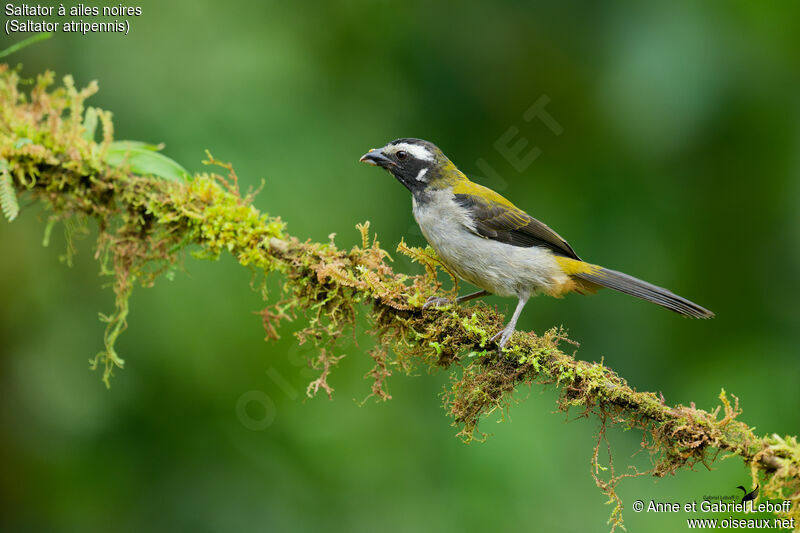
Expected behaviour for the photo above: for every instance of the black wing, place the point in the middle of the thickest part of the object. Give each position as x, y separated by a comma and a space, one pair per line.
506, 223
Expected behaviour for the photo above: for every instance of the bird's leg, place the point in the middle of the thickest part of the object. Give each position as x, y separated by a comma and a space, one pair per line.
507, 331
437, 301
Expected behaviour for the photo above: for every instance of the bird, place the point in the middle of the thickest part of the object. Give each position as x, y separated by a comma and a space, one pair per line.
748, 496
487, 241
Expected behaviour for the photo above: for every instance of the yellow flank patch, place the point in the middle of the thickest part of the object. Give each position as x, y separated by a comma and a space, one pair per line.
574, 266
563, 288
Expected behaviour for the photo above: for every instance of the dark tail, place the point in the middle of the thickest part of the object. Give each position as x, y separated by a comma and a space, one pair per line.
641, 289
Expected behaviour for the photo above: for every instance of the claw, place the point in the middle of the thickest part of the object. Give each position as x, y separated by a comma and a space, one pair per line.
494, 337
504, 335
436, 301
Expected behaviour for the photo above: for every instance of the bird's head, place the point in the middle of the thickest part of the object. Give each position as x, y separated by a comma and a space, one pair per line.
417, 164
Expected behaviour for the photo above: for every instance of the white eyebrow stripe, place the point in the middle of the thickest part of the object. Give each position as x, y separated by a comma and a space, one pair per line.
421, 175
420, 152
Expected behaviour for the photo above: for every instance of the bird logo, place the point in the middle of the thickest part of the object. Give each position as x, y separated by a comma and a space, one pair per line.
748, 496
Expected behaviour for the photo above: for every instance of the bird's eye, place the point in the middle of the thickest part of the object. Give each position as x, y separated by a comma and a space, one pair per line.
401, 155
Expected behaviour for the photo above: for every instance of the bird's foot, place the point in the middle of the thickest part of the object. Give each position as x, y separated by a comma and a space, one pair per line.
437, 301
504, 335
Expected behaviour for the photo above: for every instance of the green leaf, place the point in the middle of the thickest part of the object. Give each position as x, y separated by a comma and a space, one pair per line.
8, 198
22, 141
143, 158
26, 42
139, 144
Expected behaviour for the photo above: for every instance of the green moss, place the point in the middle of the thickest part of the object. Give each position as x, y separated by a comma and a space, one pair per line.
472, 325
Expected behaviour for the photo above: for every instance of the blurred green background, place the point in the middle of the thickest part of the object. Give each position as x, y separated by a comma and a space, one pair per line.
678, 162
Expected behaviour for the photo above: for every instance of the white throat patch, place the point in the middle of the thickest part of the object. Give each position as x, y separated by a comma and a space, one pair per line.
419, 152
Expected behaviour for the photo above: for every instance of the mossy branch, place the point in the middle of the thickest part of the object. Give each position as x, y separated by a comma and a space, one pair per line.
48, 151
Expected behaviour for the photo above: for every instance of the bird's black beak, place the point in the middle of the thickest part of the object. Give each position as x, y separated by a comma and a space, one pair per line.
377, 158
